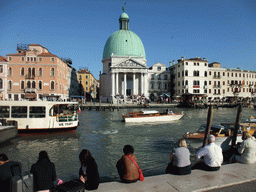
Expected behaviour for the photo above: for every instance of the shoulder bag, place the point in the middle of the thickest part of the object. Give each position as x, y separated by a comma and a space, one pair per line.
140, 172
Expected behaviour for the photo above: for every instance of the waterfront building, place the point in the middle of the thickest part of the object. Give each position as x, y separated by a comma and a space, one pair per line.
88, 85
3, 78
33, 72
159, 80
125, 70
200, 80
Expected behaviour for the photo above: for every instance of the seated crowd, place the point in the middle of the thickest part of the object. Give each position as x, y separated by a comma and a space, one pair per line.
209, 157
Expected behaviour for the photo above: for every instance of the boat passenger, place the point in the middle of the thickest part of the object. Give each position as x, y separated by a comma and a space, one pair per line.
44, 173
180, 160
127, 170
247, 149
88, 172
212, 156
8, 169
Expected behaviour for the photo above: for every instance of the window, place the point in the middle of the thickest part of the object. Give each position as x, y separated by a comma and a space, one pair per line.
223, 82
165, 77
210, 73
40, 59
28, 59
52, 85
40, 85
22, 85
34, 58
9, 84
152, 77
196, 91
186, 63
205, 64
36, 112
9, 71
186, 82
231, 74
33, 72
186, 73
1, 68
194, 64
33, 84
10, 58
182, 73
28, 84
158, 68
22, 71
178, 74
86, 76
196, 83
159, 77
29, 72
178, 83
197, 64
159, 85
52, 71
19, 112
1, 83
210, 82
4, 111
152, 85
210, 91
86, 82
52, 59
22, 59
205, 73
196, 73
40, 72
205, 82
223, 74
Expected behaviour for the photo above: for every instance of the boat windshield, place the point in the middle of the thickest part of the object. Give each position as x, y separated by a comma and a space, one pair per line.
65, 112
214, 128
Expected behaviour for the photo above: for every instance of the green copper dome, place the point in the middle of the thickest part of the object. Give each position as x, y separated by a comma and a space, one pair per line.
124, 42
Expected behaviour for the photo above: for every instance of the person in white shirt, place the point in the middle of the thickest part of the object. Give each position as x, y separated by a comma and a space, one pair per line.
212, 156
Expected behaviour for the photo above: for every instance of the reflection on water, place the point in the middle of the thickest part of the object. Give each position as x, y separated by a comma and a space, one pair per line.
104, 134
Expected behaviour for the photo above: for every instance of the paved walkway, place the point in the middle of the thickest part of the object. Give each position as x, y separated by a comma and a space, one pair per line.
228, 175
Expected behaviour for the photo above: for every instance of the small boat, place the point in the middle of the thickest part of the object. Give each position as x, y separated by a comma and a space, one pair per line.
151, 116
251, 120
41, 116
216, 130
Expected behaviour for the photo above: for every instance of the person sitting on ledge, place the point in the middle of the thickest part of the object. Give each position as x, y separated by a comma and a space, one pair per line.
8, 169
247, 149
88, 172
212, 156
180, 160
127, 170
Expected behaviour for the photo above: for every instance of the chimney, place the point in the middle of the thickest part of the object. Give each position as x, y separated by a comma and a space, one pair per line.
173, 62
170, 63
204, 59
182, 58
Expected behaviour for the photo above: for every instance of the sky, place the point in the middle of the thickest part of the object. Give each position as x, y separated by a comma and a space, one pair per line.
221, 31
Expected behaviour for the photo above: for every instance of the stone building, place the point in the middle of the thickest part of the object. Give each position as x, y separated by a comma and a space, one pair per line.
3, 78
125, 70
33, 73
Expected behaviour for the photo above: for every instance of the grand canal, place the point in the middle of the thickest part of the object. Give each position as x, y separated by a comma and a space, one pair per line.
104, 134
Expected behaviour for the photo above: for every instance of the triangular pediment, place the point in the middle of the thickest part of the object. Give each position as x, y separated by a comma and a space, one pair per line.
129, 63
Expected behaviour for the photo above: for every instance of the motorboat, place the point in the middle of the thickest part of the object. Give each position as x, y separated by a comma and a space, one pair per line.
251, 120
41, 116
151, 116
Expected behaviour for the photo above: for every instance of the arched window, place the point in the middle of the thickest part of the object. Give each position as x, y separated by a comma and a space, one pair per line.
9, 71
186, 73
52, 85
22, 85
40, 72
1, 83
152, 85
33, 84
186, 82
52, 71
22, 72
9, 84
40, 85
28, 84
33, 72
29, 72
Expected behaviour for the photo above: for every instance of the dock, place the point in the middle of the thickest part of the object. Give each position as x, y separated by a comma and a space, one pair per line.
8, 130
198, 180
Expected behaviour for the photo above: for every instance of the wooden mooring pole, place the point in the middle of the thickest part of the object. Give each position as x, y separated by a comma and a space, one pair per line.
209, 124
237, 124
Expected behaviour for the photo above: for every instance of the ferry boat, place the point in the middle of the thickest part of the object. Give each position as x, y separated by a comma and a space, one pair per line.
41, 116
151, 116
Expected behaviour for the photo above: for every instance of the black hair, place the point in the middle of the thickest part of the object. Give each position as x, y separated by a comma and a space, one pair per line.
43, 155
84, 156
3, 157
128, 149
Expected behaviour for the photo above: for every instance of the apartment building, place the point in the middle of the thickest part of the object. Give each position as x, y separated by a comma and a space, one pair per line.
33, 73
3, 78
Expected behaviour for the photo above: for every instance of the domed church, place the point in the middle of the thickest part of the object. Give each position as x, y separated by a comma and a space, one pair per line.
125, 71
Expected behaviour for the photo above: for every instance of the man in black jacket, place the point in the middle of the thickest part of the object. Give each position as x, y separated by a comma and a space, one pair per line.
8, 169
44, 173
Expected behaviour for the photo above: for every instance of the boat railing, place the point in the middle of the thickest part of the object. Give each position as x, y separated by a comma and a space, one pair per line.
67, 118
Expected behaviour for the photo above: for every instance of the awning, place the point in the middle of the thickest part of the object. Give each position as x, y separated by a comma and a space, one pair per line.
30, 96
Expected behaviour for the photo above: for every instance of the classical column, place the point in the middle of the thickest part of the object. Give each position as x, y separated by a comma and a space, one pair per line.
133, 84
125, 87
117, 86
146, 84
113, 85
141, 80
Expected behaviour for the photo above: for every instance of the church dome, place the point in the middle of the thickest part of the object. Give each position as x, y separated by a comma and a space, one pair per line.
124, 42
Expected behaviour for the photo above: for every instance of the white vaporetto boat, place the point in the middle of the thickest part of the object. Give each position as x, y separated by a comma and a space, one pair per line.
151, 116
41, 116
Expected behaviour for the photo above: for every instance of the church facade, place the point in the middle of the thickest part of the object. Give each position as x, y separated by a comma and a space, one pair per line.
125, 70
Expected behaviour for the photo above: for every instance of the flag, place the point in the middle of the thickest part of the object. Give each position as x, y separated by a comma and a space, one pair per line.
79, 110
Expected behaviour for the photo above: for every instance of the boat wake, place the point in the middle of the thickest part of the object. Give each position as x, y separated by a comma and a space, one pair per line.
107, 132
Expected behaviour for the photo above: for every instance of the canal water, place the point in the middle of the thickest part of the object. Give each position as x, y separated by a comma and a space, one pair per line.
104, 134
